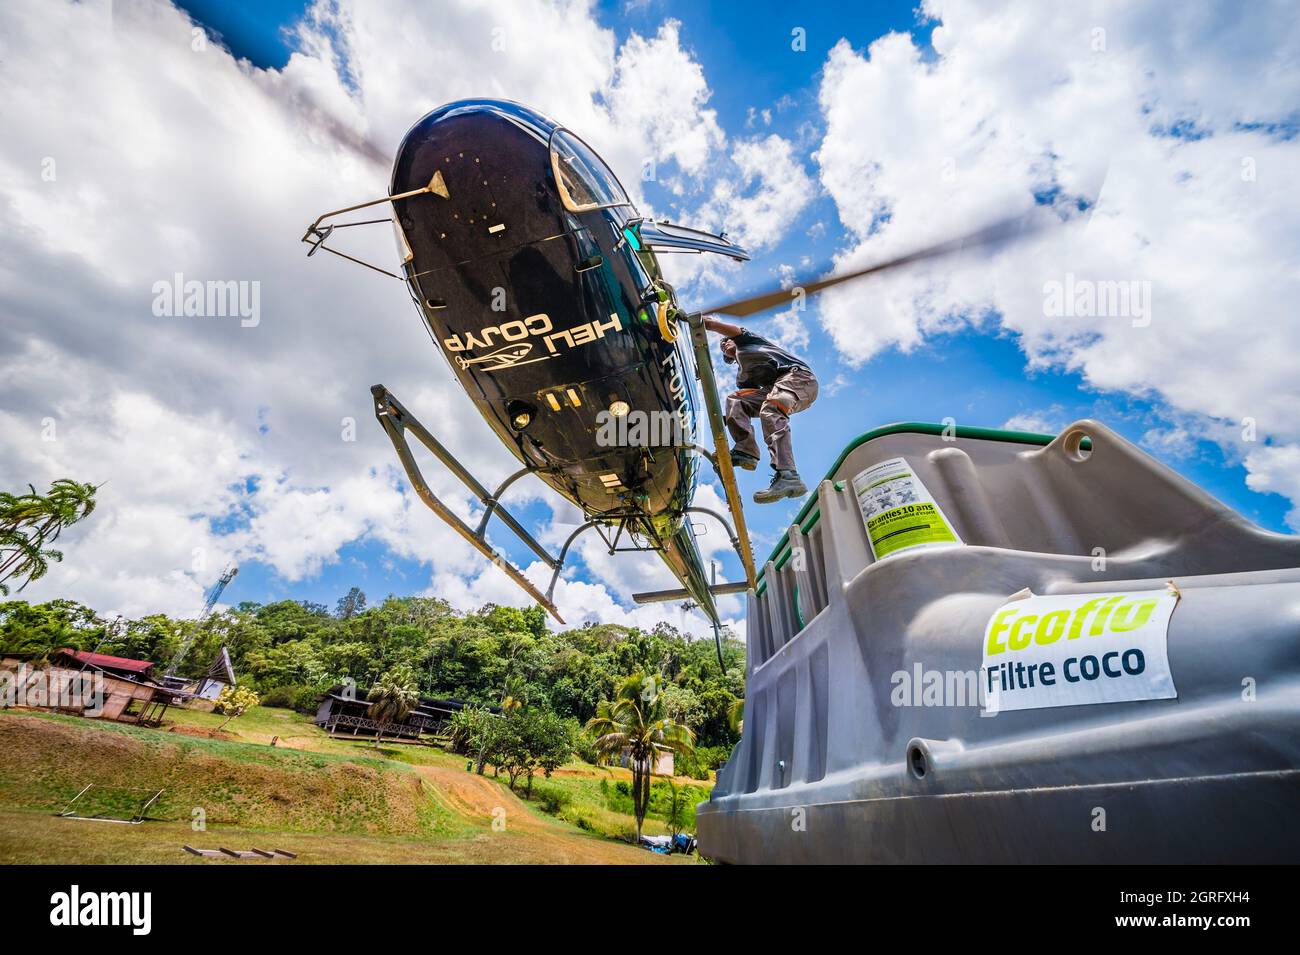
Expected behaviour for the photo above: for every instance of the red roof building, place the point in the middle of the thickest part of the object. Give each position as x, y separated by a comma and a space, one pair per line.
109, 664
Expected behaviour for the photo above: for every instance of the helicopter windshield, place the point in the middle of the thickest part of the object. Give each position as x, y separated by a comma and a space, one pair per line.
584, 181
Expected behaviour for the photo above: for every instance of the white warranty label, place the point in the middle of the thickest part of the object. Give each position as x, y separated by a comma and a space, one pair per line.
1078, 648
898, 510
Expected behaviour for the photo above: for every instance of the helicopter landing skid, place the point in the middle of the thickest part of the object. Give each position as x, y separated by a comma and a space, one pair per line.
721, 458
397, 421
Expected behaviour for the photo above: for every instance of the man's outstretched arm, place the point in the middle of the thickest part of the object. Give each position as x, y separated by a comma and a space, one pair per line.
725, 329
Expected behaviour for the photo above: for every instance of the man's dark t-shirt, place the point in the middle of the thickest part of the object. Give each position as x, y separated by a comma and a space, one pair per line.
761, 362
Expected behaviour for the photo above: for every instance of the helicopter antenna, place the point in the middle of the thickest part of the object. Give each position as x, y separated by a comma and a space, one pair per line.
318, 231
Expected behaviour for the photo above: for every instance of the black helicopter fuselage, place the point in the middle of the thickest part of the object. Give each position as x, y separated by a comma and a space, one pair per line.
525, 263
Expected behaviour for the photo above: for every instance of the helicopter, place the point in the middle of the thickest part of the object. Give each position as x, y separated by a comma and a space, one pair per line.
539, 281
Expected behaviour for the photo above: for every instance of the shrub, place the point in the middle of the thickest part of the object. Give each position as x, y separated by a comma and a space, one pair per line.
584, 745
701, 762
618, 797
552, 800
299, 697
281, 696
307, 699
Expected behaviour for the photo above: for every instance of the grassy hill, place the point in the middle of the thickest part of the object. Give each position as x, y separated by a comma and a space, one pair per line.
45, 760
332, 798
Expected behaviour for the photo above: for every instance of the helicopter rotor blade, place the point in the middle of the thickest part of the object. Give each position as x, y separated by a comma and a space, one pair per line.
1016, 227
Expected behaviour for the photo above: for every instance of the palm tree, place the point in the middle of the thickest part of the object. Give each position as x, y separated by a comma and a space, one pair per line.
635, 722
736, 715
392, 699
30, 522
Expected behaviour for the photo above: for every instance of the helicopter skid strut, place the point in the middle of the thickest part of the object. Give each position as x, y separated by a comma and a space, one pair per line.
397, 421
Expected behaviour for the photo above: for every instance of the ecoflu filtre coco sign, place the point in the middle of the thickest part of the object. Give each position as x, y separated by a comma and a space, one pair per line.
1074, 649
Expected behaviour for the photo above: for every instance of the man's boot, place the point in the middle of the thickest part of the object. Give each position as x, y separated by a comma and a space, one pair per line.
746, 462
784, 484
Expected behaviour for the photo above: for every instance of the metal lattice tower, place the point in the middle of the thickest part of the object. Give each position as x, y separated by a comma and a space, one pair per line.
214, 595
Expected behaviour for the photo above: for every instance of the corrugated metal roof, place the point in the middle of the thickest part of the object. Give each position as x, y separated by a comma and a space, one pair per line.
106, 662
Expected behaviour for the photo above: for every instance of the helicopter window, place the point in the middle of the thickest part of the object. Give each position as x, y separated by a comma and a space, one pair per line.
584, 181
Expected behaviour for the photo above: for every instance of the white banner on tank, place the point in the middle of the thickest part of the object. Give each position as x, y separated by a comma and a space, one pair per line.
1076, 649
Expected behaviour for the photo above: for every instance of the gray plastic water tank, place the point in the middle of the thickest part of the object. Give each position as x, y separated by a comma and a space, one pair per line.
832, 768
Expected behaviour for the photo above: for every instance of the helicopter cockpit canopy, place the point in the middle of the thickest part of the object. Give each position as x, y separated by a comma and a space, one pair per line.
582, 178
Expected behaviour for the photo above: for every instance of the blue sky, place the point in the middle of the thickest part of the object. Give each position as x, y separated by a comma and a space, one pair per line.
979, 377
887, 131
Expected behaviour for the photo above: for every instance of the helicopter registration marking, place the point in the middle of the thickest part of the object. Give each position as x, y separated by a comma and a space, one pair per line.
534, 326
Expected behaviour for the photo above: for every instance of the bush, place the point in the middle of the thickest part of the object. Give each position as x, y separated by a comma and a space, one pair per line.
618, 797
584, 746
281, 696
293, 696
701, 762
552, 800
308, 700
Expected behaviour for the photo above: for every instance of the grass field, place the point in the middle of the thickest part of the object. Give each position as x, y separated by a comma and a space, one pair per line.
330, 799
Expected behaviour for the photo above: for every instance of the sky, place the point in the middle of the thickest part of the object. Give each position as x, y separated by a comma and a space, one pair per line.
148, 144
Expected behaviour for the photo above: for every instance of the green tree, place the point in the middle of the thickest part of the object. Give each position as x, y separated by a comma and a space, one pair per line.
353, 603
635, 722
682, 705
736, 715
44, 629
491, 743
462, 729
31, 522
392, 699
552, 742
477, 732
531, 739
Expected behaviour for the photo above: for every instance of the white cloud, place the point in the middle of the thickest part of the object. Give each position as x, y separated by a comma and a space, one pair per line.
770, 188
837, 384
1024, 99
754, 201
1045, 421
1276, 469
658, 93
1174, 441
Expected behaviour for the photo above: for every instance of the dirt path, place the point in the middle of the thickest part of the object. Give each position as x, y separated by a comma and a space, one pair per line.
482, 801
